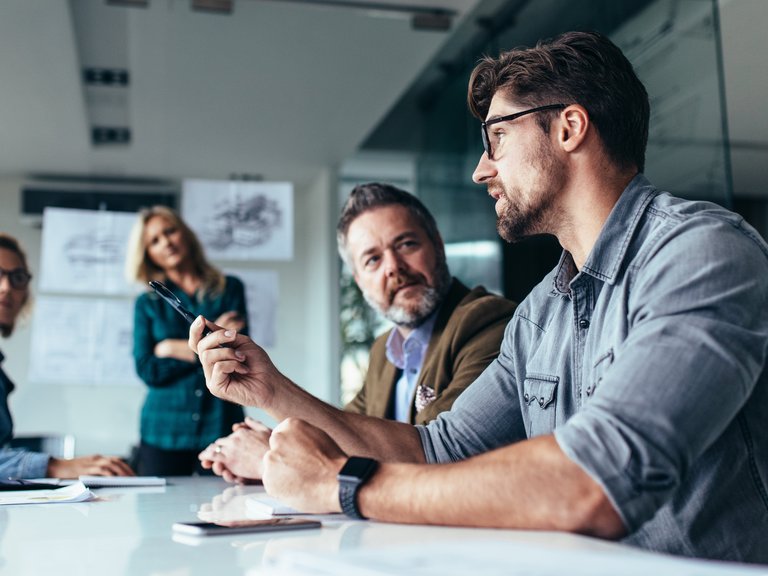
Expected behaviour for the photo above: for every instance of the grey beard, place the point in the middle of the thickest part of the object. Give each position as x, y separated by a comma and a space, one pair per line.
401, 317
430, 300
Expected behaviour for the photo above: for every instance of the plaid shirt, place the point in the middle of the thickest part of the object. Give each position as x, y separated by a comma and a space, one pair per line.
179, 413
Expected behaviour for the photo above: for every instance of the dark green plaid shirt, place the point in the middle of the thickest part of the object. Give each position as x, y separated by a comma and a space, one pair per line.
179, 413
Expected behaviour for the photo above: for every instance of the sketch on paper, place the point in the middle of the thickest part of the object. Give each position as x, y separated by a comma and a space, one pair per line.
83, 251
245, 222
241, 220
261, 293
104, 351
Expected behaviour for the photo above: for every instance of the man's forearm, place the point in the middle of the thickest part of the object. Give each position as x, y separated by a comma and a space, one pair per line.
528, 485
356, 434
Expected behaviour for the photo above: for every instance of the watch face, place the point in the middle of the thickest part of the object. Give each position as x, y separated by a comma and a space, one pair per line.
357, 468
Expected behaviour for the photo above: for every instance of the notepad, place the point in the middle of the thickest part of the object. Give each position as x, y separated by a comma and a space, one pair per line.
121, 481
76, 492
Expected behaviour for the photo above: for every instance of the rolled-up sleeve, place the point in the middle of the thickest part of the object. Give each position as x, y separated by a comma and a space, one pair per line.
16, 463
696, 345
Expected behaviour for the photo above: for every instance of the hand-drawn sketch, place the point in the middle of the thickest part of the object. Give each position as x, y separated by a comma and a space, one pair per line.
101, 354
241, 220
261, 294
83, 251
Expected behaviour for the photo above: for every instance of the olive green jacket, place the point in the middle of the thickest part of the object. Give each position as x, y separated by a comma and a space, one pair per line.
465, 339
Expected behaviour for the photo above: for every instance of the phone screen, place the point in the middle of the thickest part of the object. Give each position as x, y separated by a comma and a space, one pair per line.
244, 526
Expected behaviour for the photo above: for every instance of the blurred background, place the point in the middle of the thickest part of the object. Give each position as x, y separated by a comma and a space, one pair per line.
112, 104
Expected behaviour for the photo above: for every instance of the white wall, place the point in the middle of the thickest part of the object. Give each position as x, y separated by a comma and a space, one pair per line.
106, 419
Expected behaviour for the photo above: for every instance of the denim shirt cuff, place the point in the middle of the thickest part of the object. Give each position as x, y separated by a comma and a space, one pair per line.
34, 465
581, 451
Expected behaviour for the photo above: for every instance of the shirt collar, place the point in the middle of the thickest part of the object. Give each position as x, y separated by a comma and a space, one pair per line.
607, 255
420, 335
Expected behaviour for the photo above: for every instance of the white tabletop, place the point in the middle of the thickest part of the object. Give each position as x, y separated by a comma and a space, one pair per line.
128, 531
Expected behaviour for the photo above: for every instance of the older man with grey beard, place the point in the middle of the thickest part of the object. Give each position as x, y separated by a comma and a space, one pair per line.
444, 334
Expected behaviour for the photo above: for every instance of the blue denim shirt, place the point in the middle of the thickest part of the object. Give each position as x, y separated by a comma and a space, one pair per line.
15, 463
648, 366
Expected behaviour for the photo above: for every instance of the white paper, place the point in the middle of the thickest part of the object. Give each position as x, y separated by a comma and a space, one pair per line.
82, 341
499, 558
241, 220
83, 251
261, 293
121, 481
76, 492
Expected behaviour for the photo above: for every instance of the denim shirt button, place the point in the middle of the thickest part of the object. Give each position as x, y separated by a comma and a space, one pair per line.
583, 323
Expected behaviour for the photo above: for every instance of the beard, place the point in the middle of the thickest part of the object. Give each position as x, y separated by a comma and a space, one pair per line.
527, 215
430, 298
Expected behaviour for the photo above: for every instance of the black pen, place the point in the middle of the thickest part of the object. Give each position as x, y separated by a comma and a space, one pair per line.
22, 484
171, 298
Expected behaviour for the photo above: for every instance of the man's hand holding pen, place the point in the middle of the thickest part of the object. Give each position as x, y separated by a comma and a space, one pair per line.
236, 369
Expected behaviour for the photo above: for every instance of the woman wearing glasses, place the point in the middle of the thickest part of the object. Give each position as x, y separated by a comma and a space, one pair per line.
18, 463
179, 417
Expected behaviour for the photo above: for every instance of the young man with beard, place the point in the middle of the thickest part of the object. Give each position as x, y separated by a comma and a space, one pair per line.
19, 463
444, 334
630, 397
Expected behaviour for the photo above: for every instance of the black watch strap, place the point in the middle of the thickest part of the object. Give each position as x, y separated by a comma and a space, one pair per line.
351, 477
348, 500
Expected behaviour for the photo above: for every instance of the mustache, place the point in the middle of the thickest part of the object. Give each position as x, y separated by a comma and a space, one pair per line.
397, 282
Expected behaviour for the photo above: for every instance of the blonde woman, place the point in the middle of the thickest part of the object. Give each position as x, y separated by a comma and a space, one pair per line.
179, 417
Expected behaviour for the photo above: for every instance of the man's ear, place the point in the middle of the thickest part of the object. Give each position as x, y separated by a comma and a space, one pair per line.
573, 127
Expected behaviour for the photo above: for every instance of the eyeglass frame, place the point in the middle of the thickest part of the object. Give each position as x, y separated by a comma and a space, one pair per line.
16, 271
484, 125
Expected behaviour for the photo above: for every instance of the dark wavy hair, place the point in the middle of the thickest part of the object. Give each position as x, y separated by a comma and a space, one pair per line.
583, 68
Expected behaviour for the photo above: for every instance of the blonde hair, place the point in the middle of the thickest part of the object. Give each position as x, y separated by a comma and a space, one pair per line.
12, 245
140, 268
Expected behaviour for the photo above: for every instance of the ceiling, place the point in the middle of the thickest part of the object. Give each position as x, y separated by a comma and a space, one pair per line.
276, 90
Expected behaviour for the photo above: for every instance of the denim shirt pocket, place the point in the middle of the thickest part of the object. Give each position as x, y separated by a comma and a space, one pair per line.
540, 395
603, 363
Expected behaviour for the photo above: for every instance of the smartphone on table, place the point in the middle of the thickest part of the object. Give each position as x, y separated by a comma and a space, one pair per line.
244, 526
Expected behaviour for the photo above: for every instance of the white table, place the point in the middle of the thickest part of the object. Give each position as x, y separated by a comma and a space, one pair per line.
128, 531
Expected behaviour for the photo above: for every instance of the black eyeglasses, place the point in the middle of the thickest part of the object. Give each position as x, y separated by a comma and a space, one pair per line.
18, 277
490, 142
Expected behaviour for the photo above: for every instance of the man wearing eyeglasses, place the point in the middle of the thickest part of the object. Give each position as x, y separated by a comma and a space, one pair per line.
18, 463
630, 397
